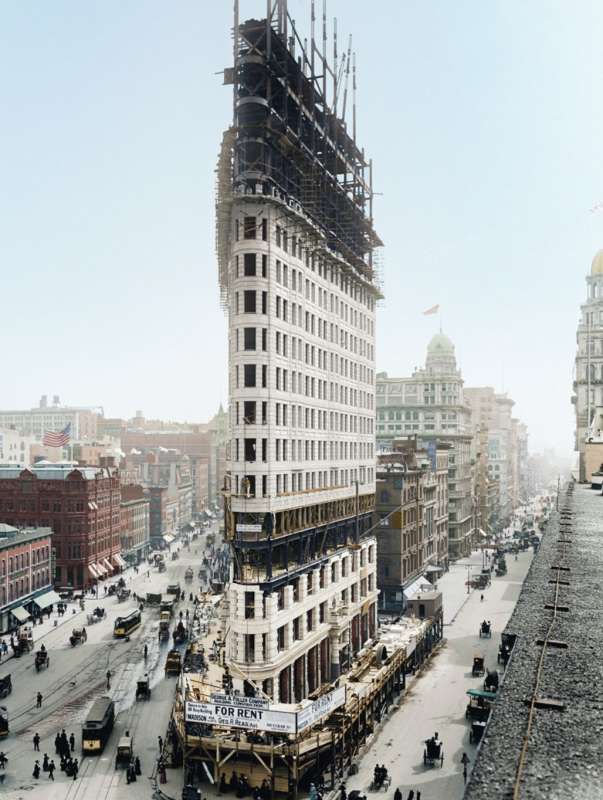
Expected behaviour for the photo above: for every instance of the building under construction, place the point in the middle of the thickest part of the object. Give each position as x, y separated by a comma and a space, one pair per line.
295, 245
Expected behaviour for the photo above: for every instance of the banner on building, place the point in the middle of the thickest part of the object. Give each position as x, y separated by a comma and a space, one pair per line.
320, 708
232, 715
254, 713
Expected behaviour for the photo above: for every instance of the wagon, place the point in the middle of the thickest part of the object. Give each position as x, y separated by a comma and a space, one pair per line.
433, 752
491, 681
477, 731
143, 689
485, 630
480, 705
42, 660
78, 636
478, 666
125, 752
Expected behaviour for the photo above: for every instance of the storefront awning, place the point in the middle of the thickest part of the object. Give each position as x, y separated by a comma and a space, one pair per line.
433, 568
20, 613
119, 560
420, 584
483, 534
93, 571
47, 599
100, 569
168, 538
108, 564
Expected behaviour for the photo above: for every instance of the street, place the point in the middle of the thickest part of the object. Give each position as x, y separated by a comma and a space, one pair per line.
77, 675
436, 699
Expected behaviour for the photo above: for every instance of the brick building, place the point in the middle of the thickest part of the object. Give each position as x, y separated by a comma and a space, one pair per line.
25, 574
134, 511
80, 504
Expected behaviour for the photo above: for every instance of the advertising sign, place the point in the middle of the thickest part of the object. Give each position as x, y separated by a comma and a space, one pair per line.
320, 708
239, 716
242, 528
240, 700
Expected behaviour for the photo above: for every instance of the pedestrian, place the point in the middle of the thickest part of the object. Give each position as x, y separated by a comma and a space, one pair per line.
465, 761
36, 770
45, 762
108, 679
51, 769
398, 794
411, 795
481, 598
57, 743
137, 767
418, 795
3, 760
75, 768
36, 742
146, 652
64, 746
72, 742
39, 699
343, 795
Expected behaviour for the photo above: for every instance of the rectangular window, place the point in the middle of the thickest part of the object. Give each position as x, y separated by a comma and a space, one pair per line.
264, 229
249, 338
264, 302
264, 266
248, 412
250, 450
264, 376
264, 339
249, 375
264, 412
249, 228
249, 302
249, 265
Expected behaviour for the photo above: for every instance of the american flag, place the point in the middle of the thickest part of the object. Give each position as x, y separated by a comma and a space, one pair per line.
432, 310
58, 438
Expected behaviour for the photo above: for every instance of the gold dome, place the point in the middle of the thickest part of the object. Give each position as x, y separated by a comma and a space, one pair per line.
597, 265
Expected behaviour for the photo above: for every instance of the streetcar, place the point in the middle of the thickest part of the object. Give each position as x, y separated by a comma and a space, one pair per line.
98, 726
124, 626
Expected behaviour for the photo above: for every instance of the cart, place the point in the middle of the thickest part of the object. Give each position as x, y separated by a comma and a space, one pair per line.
125, 752
477, 731
143, 689
478, 668
42, 660
433, 752
480, 705
78, 636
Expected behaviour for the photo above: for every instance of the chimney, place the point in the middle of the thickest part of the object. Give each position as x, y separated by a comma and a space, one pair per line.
55, 400
44, 401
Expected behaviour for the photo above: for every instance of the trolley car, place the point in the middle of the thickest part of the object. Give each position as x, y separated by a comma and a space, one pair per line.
124, 626
98, 726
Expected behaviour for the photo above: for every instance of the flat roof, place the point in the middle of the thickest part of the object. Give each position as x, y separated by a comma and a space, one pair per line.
11, 537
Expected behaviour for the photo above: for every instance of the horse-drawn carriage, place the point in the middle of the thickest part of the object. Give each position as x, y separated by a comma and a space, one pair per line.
123, 594
491, 681
96, 616
78, 636
143, 689
381, 779
480, 705
6, 686
180, 634
24, 643
478, 667
477, 731
433, 752
485, 630
189, 574
42, 659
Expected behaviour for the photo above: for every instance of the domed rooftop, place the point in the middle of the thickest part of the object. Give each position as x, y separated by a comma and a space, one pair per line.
597, 265
441, 359
441, 344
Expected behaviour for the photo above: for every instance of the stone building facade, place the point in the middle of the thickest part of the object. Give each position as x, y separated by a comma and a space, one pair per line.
588, 366
431, 405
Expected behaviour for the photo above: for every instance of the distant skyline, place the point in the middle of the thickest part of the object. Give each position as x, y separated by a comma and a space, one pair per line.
485, 127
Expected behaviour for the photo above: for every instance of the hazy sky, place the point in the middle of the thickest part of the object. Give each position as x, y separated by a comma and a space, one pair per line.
484, 121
